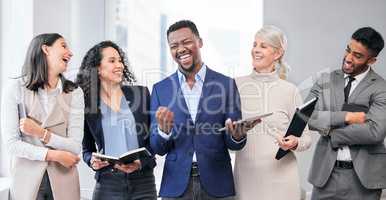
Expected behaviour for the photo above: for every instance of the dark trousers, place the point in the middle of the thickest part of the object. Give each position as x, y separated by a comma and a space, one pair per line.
195, 191
116, 185
344, 184
45, 192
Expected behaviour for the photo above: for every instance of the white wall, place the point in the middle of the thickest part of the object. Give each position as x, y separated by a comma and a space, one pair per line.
82, 23
318, 32
1, 50
16, 16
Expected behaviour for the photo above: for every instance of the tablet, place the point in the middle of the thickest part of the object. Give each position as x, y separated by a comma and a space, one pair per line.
250, 119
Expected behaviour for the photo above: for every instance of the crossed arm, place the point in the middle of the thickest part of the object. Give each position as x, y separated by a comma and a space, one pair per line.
348, 128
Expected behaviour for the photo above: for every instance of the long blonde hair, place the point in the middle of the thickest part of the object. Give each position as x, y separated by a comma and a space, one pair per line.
274, 37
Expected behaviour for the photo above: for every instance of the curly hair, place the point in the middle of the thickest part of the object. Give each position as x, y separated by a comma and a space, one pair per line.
88, 79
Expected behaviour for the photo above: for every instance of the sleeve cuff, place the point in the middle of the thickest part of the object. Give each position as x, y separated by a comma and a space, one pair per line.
42, 154
300, 147
338, 118
238, 141
163, 134
53, 140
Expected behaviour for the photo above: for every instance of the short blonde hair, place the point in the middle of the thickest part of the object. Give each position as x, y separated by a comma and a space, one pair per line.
274, 37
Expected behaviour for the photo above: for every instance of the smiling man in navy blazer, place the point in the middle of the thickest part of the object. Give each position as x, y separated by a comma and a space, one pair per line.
188, 108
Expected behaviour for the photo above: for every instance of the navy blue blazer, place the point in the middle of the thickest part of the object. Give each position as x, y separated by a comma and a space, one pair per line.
219, 101
139, 100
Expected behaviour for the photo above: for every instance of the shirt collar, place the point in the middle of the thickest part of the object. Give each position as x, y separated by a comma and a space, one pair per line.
124, 107
359, 77
200, 76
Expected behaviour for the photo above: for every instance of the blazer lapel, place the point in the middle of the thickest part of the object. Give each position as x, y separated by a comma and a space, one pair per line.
94, 122
56, 116
53, 118
338, 89
180, 99
36, 110
135, 107
366, 82
206, 91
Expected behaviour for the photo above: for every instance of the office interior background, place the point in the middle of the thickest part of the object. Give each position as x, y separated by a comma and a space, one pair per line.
317, 32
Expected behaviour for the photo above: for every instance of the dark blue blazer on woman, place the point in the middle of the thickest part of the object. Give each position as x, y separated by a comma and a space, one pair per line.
138, 99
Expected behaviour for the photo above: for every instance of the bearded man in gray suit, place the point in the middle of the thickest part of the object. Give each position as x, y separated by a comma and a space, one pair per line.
350, 157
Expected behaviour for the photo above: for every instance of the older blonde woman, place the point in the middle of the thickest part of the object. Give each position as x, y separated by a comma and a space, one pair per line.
257, 173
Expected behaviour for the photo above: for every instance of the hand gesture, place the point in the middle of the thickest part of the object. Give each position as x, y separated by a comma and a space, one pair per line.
355, 118
97, 163
239, 130
65, 158
165, 119
289, 143
30, 127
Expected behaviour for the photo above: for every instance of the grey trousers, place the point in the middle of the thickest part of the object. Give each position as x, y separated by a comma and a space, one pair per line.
45, 192
196, 192
344, 184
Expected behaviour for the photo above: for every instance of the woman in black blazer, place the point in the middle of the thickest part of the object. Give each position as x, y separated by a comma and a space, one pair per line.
117, 120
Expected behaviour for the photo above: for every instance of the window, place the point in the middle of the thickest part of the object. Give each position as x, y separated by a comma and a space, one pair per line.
226, 27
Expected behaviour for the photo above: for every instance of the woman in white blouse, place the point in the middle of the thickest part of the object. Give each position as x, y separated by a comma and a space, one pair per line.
42, 123
258, 175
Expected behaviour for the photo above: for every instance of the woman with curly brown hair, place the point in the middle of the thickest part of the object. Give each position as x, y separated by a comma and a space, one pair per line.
116, 120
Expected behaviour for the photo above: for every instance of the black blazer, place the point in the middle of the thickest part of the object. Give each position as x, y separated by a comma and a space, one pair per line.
139, 102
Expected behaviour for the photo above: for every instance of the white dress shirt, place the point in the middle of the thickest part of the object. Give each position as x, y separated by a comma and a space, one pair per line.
192, 99
344, 152
191, 95
10, 122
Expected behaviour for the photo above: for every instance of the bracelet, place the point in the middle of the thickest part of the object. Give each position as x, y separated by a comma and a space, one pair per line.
43, 139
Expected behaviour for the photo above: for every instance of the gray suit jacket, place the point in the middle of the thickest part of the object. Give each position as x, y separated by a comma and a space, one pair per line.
366, 141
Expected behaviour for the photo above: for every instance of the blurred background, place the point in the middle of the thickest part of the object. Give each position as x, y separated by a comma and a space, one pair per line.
317, 32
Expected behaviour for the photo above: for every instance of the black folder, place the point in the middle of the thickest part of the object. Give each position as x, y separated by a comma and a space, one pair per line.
351, 107
298, 123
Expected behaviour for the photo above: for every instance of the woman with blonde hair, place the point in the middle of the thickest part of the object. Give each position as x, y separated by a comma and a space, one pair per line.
257, 173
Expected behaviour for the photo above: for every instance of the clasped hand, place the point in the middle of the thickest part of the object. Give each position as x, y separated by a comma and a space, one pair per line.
98, 164
355, 118
288, 143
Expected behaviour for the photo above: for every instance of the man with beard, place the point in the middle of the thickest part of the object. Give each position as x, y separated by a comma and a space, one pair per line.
188, 109
350, 156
